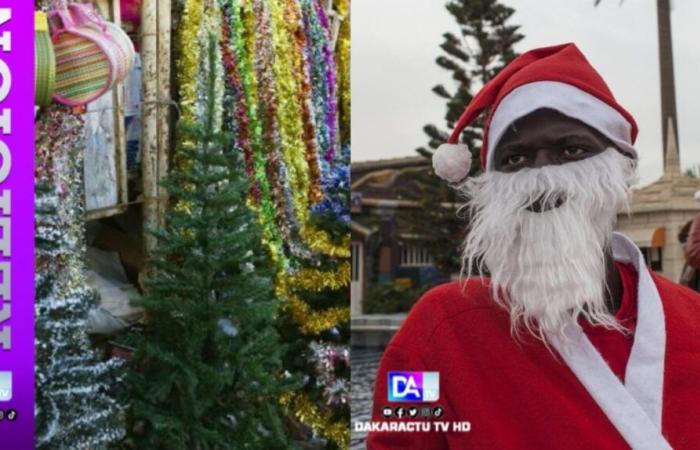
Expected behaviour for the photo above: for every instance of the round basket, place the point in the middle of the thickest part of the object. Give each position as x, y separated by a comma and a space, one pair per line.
84, 66
85, 15
44, 61
126, 50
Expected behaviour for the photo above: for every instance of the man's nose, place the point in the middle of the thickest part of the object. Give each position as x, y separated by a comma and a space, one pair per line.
545, 157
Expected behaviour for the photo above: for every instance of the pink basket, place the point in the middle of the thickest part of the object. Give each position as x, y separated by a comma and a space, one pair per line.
85, 15
85, 60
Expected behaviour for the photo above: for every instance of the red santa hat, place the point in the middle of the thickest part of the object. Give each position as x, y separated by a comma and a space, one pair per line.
557, 77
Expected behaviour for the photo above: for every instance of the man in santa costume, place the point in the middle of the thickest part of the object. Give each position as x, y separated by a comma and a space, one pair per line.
571, 342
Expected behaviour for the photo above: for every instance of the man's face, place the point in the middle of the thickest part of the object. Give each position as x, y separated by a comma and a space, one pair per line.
546, 137
542, 220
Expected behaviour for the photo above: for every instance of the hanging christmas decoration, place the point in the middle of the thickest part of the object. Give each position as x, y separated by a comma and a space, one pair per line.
282, 102
342, 56
74, 408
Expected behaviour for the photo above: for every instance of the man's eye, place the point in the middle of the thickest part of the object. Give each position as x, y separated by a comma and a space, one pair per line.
514, 160
573, 152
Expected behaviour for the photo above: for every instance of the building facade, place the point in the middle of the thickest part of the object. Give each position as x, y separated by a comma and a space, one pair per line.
382, 249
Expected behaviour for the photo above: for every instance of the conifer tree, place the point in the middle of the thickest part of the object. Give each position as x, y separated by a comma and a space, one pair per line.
483, 46
206, 372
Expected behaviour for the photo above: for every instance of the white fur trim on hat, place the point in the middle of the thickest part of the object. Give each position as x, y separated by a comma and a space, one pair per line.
568, 100
452, 162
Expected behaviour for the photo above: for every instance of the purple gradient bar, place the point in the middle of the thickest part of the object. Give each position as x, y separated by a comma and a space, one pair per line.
19, 359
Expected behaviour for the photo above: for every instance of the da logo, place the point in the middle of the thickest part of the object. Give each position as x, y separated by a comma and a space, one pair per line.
414, 386
5, 386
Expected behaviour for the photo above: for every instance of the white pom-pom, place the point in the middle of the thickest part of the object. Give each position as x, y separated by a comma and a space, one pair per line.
452, 162
696, 196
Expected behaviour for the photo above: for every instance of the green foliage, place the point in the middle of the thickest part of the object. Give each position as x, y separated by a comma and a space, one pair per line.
207, 372
388, 298
692, 172
482, 48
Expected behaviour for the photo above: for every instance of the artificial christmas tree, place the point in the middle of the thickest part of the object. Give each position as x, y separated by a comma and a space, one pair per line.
207, 371
288, 102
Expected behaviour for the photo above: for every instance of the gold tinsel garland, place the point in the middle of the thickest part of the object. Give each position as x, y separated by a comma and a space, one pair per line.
288, 76
322, 242
308, 413
188, 59
317, 280
285, 19
342, 56
315, 322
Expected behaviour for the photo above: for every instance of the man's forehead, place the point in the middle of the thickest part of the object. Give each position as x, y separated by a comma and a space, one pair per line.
548, 122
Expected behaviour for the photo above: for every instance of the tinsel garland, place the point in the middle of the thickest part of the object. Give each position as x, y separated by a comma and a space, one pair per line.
277, 172
337, 180
329, 71
282, 91
287, 79
327, 358
322, 242
73, 406
212, 27
188, 62
189, 51
315, 322
316, 280
308, 413
284, 148
239, 113
309, 130
244, 42
342, 57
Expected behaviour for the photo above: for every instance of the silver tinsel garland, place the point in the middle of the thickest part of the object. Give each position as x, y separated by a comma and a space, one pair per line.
74, 409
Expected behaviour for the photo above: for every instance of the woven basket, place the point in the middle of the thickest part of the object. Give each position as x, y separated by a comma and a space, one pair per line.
85, 15
44, 61
126, 45
85, 60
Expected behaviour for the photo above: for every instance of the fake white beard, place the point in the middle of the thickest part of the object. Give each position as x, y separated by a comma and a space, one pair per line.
548, 268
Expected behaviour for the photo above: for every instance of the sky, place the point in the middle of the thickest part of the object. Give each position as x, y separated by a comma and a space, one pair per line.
395, 43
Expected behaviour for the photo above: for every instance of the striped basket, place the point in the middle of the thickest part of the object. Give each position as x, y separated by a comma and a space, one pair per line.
85, 60
84, 14
44, 61
126, 48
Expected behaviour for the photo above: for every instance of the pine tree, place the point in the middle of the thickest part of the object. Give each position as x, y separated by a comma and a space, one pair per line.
206, 372
74, 406
483, 47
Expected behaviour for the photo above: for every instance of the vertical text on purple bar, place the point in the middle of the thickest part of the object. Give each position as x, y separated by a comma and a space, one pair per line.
17, 224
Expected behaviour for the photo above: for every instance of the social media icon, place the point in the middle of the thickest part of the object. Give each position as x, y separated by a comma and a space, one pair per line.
5, 386
414, 386
387, 411
11, 414
412, 411
400, 411
426, 412
438, 411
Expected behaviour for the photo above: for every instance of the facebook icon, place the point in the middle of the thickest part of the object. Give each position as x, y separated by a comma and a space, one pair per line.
414, 386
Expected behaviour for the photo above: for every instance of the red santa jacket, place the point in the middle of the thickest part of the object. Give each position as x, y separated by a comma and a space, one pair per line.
518, 395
